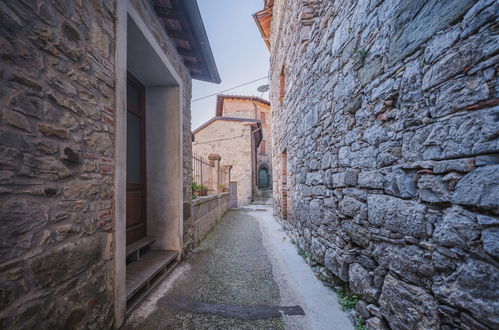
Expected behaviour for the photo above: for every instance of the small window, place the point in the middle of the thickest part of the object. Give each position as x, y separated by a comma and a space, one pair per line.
262, 117
282, 85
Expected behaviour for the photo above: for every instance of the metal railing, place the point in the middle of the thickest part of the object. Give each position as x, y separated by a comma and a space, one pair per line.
201, 170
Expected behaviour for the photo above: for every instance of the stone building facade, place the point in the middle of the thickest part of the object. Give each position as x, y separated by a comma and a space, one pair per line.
63, 150
386, 152
241, 134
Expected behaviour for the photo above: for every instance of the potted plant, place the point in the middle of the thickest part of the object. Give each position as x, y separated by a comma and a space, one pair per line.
203, 191
223, 188
195, 189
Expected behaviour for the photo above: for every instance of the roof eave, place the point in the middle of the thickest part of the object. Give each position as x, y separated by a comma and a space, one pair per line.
193, 14
258, 20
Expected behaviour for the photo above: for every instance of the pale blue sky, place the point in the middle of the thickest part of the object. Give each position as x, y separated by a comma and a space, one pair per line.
239, 51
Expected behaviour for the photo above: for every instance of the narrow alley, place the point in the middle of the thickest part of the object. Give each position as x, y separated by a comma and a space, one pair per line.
244, 275
256, 164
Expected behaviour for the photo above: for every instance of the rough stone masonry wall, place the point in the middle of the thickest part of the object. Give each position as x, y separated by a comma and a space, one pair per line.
390, 122
56, 160
56, 163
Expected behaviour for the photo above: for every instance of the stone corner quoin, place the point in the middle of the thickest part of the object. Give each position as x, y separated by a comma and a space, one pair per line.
390, 129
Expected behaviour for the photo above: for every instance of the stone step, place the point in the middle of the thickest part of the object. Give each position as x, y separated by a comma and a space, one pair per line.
142, 275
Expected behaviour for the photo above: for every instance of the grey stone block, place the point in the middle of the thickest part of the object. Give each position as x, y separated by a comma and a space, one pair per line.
397, 298
361, 283
336, 264
375, 323
418, 20
398, 215
459, 165
458, 228
490, 239
354, 208
409, 262
343, 179
479, 188
401, 183
462, 289
433, 189
371, 179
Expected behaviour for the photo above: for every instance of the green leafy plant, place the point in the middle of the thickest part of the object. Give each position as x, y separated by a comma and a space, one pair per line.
307, 256
195, 186
347, 302
360, 55
360, 323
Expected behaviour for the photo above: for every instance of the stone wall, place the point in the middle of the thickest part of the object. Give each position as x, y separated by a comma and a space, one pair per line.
57, 163
232, 141
390, 124
247, 108
207, 212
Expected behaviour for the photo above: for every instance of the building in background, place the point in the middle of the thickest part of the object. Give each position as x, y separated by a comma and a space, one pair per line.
95, 154
385, 152
240, 134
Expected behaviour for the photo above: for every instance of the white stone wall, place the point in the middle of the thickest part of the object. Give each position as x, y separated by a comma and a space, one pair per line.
390, 124
243, 108
232, 141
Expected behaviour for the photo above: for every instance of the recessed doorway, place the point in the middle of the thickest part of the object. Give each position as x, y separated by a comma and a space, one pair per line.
136, 196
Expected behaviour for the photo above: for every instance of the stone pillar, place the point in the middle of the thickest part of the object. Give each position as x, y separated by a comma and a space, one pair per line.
214, 182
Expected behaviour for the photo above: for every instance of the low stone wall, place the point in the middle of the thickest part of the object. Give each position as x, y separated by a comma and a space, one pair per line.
206, 212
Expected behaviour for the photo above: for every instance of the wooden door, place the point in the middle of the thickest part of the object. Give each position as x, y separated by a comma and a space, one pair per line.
233, 194
263, 178
135, 161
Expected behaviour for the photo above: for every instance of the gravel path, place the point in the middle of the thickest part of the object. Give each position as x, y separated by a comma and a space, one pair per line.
230, 266
246, 260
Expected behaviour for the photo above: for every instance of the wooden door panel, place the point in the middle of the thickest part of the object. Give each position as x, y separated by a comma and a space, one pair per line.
136, 198
134, 206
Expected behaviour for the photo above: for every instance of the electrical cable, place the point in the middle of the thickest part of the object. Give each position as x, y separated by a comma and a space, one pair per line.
229, 89
231, 138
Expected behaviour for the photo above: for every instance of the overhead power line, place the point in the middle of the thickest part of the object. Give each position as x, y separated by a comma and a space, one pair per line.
226, 90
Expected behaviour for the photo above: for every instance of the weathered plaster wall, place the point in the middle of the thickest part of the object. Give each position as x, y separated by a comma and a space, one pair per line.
390, 123
232, 141
57, 163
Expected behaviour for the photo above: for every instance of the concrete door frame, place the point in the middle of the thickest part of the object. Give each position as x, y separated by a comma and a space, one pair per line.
171, 194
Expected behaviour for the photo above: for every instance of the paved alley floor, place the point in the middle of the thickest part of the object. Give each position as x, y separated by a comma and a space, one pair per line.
246, 268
